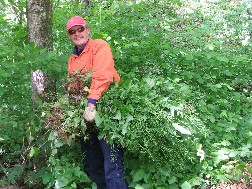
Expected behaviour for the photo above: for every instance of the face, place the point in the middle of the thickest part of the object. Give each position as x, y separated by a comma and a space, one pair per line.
79, 35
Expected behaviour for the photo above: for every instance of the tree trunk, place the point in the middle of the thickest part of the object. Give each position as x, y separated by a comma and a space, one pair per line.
39, 17
43, 87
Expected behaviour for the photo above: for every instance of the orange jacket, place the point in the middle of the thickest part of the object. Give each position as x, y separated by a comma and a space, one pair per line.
97, 58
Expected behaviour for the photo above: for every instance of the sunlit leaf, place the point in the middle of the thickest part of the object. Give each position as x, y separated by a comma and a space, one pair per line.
118, 116
181, 129
186, 185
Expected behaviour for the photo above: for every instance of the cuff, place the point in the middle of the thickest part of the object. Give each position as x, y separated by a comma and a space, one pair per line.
92, 101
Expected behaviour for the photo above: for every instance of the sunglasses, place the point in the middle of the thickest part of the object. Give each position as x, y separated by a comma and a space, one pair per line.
81, 29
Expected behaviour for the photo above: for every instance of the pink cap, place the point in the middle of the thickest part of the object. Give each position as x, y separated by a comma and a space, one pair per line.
75, 21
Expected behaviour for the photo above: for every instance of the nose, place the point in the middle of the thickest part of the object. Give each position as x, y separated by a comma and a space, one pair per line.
77, 32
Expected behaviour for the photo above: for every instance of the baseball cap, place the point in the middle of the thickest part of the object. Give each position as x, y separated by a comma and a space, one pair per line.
75, 21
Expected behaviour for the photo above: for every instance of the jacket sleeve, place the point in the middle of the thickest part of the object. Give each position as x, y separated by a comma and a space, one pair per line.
103, 70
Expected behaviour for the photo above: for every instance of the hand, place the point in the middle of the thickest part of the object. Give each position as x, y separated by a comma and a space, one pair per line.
89, 114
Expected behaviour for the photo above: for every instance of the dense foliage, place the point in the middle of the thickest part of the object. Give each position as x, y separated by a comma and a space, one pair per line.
182, 111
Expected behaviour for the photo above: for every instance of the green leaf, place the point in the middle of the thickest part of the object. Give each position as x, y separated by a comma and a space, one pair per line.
138, 175
58, 143
186, 185
210, 47
124, 129
52, 160
53, 135
94, 186
59, 183
212, 118
129, 118
249, 168
134, 44
33, 152
1, 92
181, 129
73, 185
47, 177
218, 86
233, 154
172, 180
240, 167
54, 151
118, 115
77, 121
138, 186
98, 120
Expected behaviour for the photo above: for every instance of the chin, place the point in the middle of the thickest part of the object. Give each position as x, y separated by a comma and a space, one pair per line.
80, 43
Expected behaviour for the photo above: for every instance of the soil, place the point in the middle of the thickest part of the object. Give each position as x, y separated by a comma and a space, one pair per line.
242, 184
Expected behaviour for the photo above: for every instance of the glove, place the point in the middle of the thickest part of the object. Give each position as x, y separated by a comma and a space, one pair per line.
89, 114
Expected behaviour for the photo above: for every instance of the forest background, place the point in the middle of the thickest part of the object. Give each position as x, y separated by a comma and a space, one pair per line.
182, 111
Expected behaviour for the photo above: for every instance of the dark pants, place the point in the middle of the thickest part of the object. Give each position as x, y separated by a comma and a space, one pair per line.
103, 163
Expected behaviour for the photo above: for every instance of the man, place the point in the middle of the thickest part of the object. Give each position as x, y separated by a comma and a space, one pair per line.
103, 162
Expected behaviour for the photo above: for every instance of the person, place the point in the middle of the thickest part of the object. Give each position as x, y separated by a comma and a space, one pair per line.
103, 162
